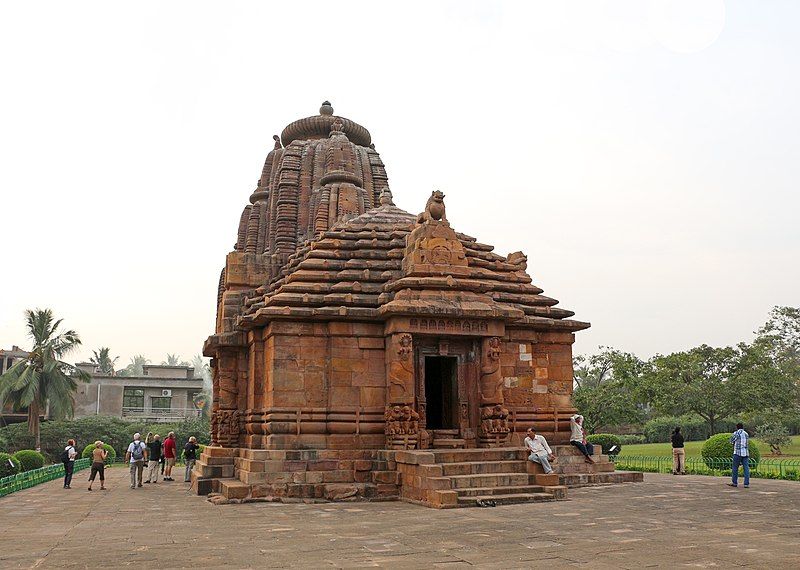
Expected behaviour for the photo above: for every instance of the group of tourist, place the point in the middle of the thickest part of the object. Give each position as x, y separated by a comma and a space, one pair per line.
158, 456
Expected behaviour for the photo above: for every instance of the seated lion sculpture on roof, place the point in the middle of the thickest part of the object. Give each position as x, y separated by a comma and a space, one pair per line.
434, 208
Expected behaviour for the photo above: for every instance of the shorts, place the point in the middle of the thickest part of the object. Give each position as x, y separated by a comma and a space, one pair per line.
169, 462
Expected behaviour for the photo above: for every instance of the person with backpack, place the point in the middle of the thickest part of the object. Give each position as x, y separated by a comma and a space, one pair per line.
136, 454
170, 454
190, 455
68, 459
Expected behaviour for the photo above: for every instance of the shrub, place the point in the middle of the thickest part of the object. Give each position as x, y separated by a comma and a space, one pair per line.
9, 465
112, 455
632, 439
606, 441
29, 459
718, 449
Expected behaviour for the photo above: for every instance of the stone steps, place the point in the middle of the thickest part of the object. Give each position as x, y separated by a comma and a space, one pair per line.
482, 455
582, 467
481, 491
515, 498
590, 479
489, 480
483, 467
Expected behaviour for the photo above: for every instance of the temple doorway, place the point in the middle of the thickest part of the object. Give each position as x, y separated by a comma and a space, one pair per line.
441, 392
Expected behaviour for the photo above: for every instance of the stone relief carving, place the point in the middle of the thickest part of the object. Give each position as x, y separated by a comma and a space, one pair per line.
491, 383
401, 369
402, 427
225, 426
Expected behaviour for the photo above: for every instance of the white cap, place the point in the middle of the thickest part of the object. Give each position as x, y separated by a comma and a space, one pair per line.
137, 435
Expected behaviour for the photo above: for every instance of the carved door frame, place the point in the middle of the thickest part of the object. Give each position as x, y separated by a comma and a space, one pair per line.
464, 350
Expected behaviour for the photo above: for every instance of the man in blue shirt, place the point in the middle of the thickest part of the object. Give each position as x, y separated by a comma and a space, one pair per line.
740, 439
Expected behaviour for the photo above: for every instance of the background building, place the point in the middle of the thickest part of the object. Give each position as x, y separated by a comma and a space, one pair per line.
162, 393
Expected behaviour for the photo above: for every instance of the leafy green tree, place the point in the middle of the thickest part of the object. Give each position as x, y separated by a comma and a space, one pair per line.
716, 383
43, 379
102, 358
606, 388
136, 367
780, 338
775, 435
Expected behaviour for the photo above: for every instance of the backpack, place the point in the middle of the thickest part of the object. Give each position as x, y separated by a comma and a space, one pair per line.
65, 455
138, 453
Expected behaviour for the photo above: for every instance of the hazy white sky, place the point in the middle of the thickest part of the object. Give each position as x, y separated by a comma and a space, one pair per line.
643, 154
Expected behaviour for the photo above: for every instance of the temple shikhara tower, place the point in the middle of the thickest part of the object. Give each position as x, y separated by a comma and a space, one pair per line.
362, 351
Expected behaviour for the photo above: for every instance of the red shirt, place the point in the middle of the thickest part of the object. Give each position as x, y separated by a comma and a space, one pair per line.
169, 448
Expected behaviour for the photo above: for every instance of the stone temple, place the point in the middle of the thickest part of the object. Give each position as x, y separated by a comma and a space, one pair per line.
362, 351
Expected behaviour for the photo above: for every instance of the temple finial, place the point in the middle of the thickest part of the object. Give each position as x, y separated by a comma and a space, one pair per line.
326, 108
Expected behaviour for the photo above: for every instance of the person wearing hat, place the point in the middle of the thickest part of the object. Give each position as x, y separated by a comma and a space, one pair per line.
98, 465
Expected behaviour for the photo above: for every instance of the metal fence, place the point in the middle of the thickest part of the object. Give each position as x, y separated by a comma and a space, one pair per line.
34, 477
769, 468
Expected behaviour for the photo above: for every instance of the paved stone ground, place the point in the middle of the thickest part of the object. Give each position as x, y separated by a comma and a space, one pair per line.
664, 522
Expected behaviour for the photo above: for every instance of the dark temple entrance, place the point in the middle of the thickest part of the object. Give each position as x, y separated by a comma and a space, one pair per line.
441, 392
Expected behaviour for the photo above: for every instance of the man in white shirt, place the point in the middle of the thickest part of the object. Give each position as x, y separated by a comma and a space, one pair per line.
540, 451
137, 455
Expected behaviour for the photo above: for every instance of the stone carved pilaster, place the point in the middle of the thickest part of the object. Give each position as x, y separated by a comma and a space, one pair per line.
402, 421
494, 429
225, 417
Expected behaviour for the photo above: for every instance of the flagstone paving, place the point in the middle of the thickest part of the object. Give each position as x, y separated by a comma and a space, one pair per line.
664, 522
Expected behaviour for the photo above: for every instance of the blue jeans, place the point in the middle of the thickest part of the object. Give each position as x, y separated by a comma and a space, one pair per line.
587, 449
743, 461
542, 460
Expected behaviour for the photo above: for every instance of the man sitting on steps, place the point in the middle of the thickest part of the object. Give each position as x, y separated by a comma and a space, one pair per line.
540, 451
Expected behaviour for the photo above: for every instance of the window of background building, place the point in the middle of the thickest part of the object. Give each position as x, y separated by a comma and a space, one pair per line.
133, 398
160, 403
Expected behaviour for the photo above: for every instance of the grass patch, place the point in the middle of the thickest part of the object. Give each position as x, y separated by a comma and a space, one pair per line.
693, 449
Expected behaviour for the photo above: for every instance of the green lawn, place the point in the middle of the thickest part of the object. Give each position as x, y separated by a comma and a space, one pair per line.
693, 449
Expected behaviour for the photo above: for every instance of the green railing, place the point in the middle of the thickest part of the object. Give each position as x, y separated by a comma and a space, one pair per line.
32, 478
765, 468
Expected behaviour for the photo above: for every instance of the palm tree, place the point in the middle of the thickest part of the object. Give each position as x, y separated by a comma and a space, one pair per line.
43, 379
136, 367
102, 357
174, 360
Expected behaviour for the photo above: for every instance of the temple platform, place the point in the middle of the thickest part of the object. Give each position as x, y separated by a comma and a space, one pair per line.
439, 478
